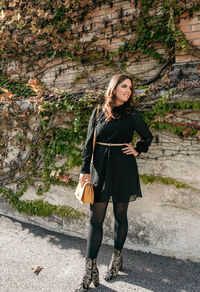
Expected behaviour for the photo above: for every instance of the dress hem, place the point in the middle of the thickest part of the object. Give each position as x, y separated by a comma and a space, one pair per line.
132, 198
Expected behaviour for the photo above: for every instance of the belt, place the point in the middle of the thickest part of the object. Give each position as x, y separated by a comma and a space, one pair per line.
109, 144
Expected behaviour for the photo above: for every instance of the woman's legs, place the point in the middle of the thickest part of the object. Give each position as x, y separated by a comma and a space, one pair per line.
121, 224
121, 229
97, 215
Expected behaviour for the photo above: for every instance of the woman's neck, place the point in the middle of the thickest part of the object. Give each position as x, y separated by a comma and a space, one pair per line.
117, 103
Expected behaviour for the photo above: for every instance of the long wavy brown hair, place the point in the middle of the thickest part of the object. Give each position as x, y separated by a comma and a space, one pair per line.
110, 97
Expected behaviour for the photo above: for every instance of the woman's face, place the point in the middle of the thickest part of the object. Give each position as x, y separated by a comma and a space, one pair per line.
123, 92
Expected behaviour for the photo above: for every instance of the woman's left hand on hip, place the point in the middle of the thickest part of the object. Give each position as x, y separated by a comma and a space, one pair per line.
129, 150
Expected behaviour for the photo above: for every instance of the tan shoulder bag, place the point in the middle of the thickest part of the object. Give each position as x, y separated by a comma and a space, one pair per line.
85, 193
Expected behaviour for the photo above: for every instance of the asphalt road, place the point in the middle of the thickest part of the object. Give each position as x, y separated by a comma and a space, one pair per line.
61, 257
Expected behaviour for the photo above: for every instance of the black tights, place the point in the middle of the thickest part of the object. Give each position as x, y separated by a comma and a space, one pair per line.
97, 215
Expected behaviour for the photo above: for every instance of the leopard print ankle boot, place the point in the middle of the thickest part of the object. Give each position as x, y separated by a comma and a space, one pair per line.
115, 265
91, 275
95, 273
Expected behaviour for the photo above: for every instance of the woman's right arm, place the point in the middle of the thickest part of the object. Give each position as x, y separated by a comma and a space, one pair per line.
87, 150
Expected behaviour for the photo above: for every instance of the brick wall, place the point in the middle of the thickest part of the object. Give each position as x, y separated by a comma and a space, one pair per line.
191, 29
64, 74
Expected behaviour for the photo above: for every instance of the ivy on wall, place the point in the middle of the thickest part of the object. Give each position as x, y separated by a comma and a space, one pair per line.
16, 86
163, 108
62, 128
59, 135
35, 33
165, 180
59, 132
37, 207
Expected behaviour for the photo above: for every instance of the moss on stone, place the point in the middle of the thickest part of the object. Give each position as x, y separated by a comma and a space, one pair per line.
38, 207
165, 180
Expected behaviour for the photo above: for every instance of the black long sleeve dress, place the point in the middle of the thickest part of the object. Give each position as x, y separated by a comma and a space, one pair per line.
114, 174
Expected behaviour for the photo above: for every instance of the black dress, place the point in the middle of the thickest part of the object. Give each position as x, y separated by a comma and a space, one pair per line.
114, 174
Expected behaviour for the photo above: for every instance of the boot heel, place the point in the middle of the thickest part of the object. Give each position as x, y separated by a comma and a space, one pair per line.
116, 265
95, 274
96, 280
121, 266
87, 277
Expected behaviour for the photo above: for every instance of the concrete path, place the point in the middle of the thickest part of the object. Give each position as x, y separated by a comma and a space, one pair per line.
61, 258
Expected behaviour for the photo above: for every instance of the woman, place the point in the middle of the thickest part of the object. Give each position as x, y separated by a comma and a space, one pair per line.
114, 174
